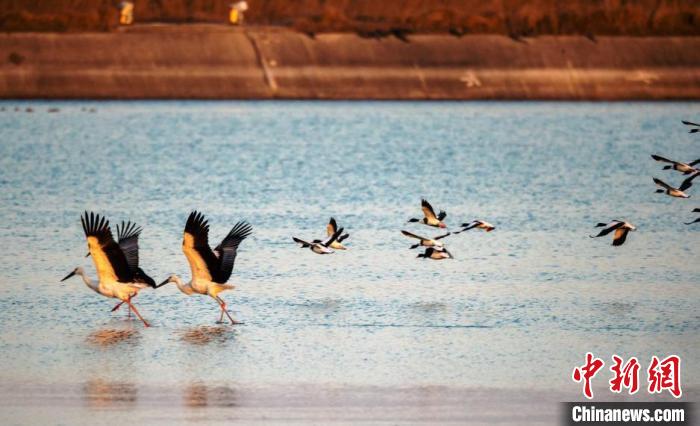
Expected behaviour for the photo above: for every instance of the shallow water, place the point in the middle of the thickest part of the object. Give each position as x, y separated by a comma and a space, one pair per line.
517, 307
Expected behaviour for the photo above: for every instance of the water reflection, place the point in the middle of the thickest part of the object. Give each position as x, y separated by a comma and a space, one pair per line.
199, 395
110, 336
100, 393
206, 334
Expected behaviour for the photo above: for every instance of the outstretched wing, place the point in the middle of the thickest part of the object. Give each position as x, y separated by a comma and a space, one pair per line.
330, 240
108, 257
442, 215
662, 159
688, 182
412, 235
609, 229
228, 248
128, 236
442, 236
620, 236
428, 211
195, 244
331, 227
692, 163
303, 243
690, 123
662, 183
343, 237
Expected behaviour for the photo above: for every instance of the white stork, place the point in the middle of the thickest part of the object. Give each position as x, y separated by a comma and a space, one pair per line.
211, 269
620, 227
429, 216
118, 273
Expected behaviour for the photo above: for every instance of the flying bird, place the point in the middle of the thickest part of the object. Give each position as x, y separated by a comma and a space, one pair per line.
118, 273
695, 210
676, 192
477, 224
211, 269
435, 253
429, 216
319, 246
426, 242
696, 126
685, 168
331, 229
620, 227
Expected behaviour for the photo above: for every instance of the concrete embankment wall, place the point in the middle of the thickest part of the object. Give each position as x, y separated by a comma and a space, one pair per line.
218, 62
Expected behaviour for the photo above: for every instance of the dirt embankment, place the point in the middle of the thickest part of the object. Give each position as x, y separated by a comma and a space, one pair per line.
218, 62
376, 18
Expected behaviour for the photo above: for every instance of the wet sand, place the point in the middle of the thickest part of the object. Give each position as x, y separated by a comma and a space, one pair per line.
219, 62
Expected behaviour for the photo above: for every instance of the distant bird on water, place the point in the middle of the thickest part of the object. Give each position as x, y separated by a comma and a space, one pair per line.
480, 224
211, 269
696, 126
117, 268
426, 242
319, 246
676, 192
429, 216
620, 227
331, 229
685, 168
435, 253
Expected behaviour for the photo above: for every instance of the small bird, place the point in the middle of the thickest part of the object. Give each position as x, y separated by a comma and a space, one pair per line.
318, 246
211, 269
676, 192
331, 229
620, 227
435, 253
477, 224
426, 242
118, 274
685, 168
429, 217
695, 210
696, 126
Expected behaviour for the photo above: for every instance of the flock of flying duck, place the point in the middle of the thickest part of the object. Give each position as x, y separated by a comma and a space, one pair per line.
120, 277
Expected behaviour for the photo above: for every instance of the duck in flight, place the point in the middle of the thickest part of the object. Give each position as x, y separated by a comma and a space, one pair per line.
426, 242
480, 224
696, 127
331, 229
429, 216
211, 269
676, 192
685, 168
320, 246
620, 227
435, 253
118, 273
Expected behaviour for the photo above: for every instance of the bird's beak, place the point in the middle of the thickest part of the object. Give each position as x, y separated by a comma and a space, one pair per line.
68, 276
164, 282
87, 255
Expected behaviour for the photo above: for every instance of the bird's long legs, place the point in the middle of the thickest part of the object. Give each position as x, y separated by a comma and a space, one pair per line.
118, 306
128, 301
222, 305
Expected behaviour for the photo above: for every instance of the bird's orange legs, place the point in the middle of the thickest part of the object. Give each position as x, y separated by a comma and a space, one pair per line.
119, 305
222, 305
128, 301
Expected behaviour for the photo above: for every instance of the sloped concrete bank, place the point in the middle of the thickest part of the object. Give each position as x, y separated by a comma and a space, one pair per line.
218, 62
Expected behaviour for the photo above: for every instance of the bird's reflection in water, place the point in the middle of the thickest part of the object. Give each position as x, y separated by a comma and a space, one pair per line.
200, 395
111, 336
101, 393
205, 334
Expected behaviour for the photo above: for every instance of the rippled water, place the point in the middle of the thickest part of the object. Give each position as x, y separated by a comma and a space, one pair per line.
517, 307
